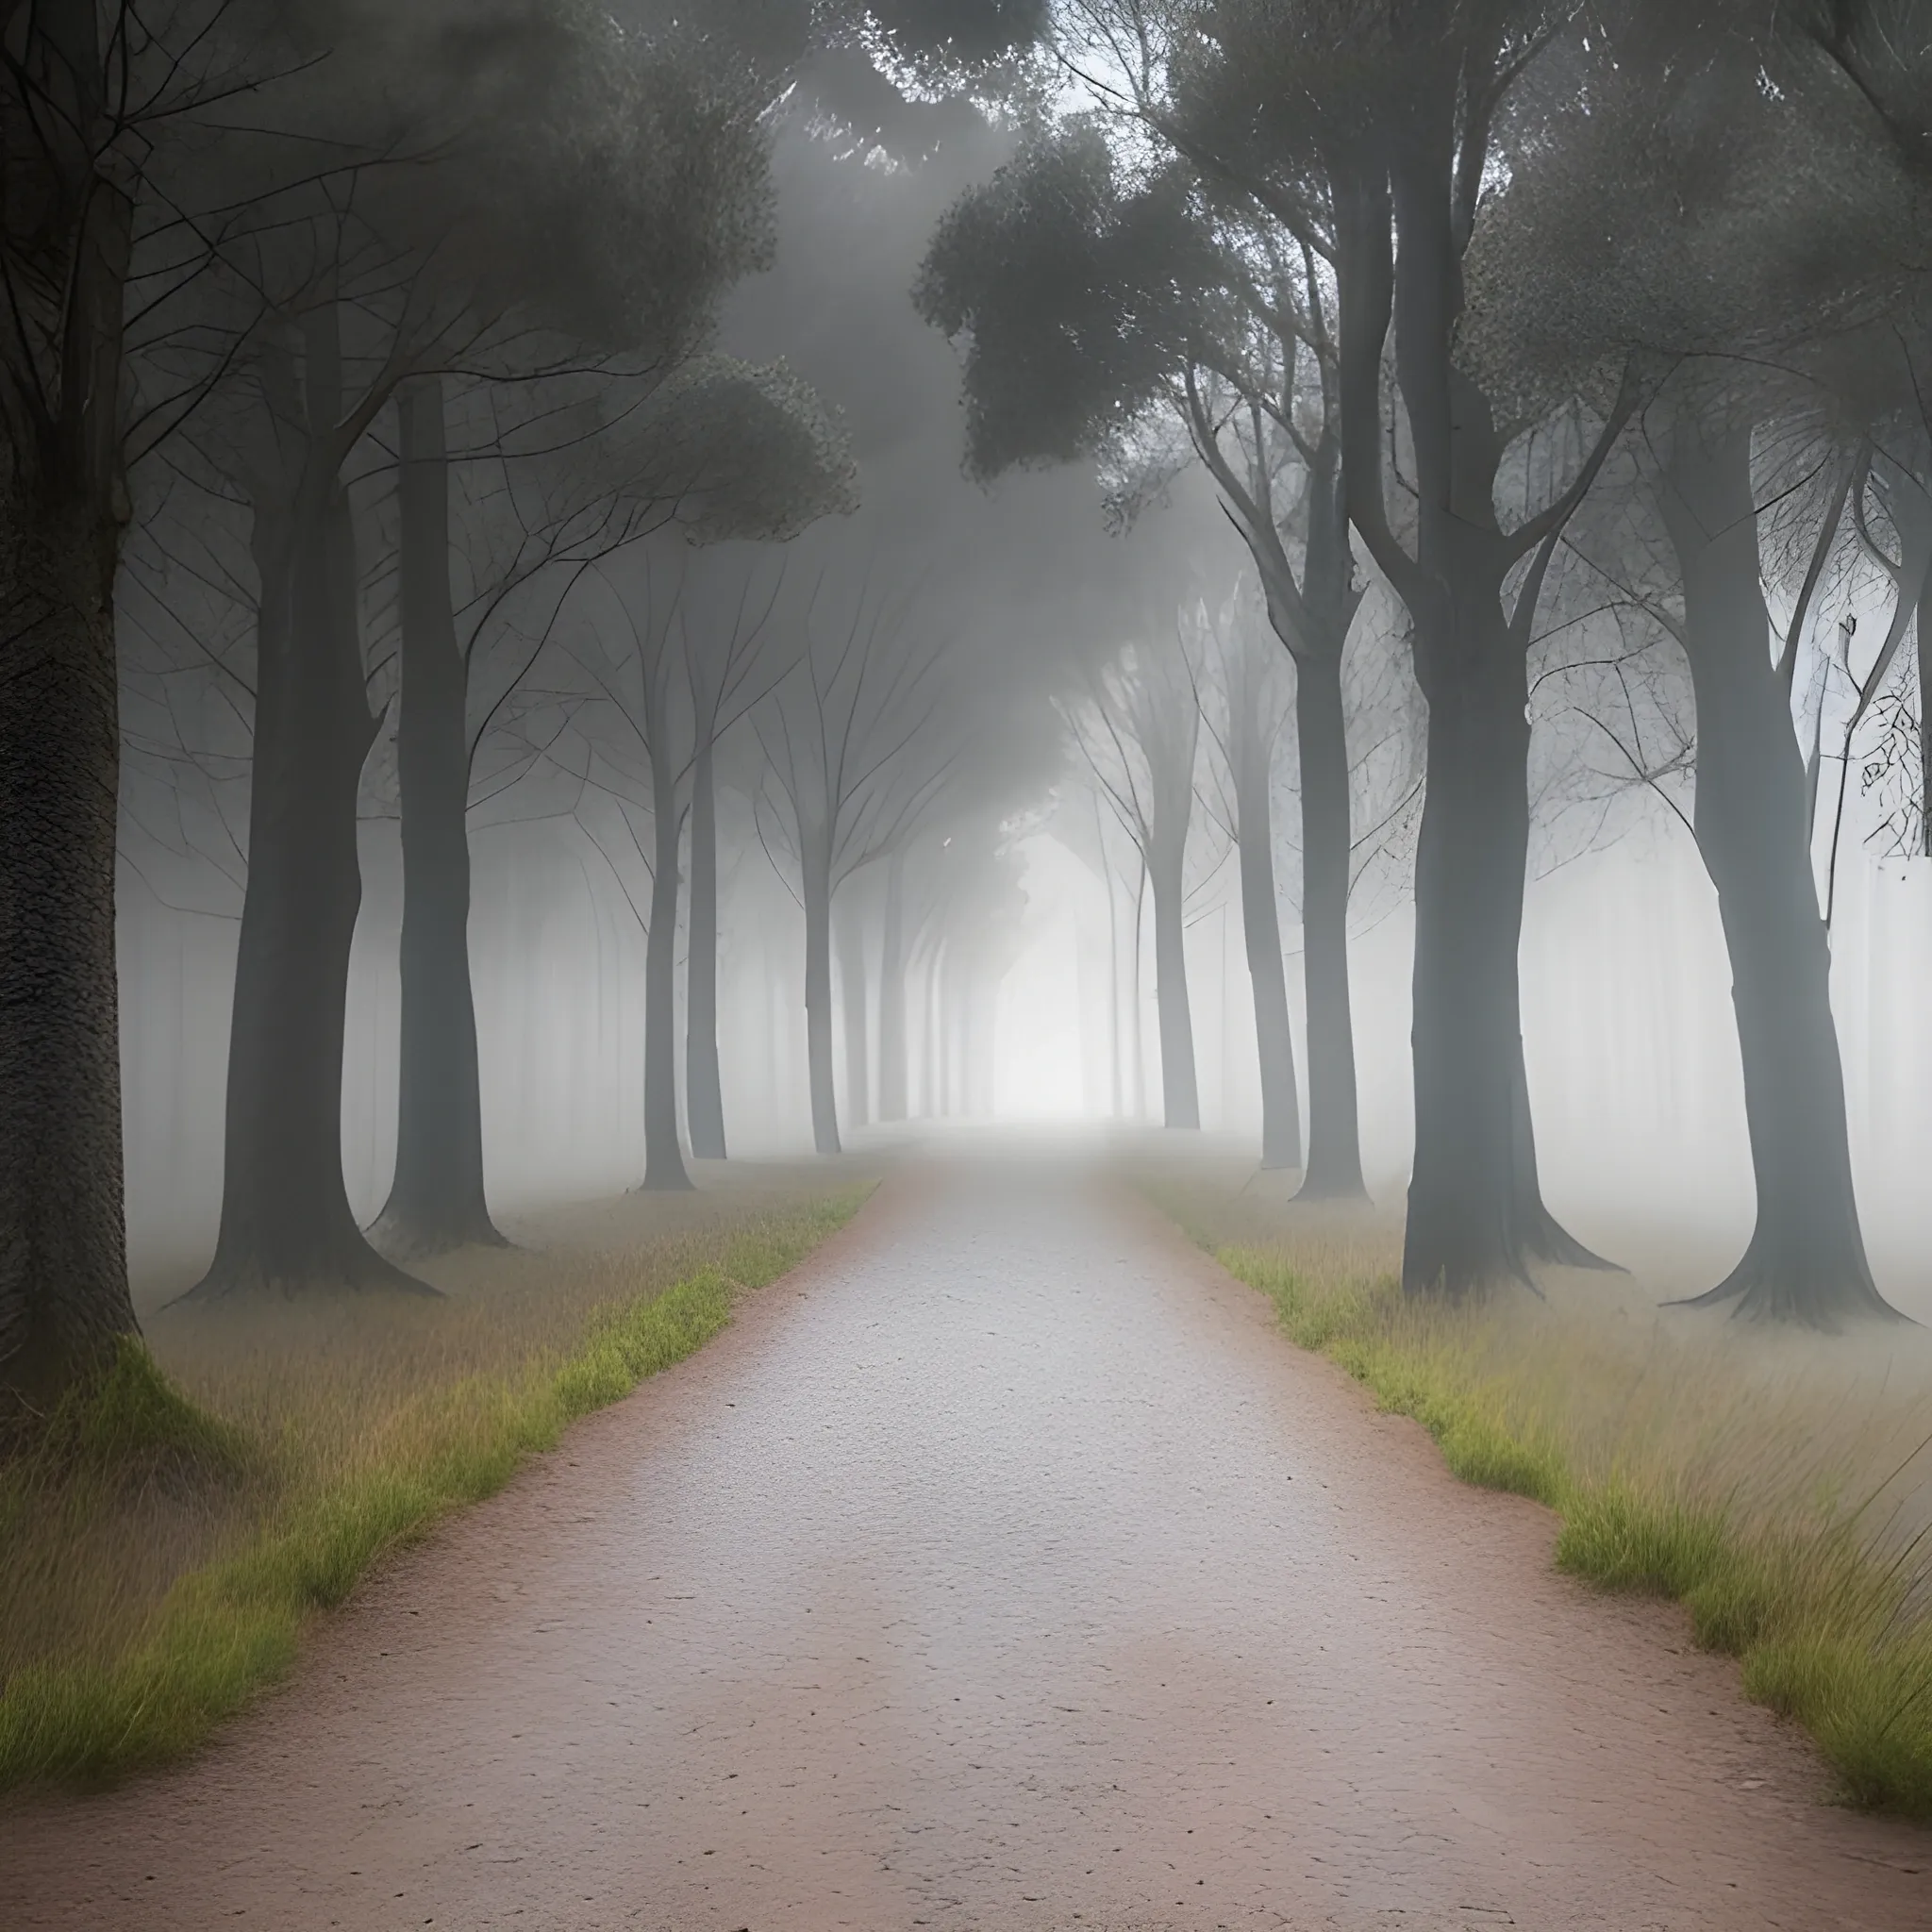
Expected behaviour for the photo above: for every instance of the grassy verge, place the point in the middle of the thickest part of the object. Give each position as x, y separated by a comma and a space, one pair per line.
1777, 1486
164, 1554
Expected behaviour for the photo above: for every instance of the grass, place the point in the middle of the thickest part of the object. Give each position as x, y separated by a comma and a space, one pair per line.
1778, 1486
174, 1533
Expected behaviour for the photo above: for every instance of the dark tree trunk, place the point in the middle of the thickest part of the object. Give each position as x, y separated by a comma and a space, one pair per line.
1475, 1207
1334, 1169
1807, 1260
63, 1260
853, 1001
664, 1169
436, 1202
817, 880
1180, 1100
63, 1256
704, 1094
892, 995
1281, 1124
285, 1221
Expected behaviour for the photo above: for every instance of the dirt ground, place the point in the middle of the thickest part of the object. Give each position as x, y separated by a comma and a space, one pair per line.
1001, 1568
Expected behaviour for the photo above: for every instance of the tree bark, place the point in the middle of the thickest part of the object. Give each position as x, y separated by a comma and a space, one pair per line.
286, 1221
1180, 1100
437, 1199
1806, 1261
704, 1094
63, 1260
892, 1080
1281, 1124
851, 934
816, 875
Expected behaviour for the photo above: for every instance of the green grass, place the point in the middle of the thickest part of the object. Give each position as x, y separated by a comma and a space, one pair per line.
1699, 1463
298, 1521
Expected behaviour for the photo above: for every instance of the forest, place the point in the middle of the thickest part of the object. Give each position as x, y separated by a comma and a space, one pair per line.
655, 650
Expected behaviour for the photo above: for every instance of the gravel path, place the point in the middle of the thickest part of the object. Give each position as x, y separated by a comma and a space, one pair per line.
1002, 1568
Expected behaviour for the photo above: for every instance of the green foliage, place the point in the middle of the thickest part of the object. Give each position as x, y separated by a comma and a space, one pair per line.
229, 1628
1825, 1634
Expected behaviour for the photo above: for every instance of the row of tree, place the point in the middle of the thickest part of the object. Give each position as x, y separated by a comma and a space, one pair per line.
1588, 332
282, 278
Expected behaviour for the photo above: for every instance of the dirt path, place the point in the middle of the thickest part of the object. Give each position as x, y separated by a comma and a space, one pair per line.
1000, 1568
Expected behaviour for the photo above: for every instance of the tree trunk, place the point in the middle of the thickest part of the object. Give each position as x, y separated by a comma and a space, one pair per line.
1180, 1101
892, 994
1476, 1207
436, 1202
286, 1221
704, 1093
1281, 1126
63, 1247
63, 1260
851, 925
817, 880
664, 1169
1334, 1170
1807, 1260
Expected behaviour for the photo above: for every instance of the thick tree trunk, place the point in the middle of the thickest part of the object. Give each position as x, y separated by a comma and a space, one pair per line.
436, 1202
817, 880
892, 994
664, 1168
1476, 1207
704, 1095
1334, 1169
63, 1262
1281, 1124
852, 999
1180, 1100
1807, 1258
285, 1221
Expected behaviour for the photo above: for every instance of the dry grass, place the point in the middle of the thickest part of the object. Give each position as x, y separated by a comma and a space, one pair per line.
1779, 1484
165, 1549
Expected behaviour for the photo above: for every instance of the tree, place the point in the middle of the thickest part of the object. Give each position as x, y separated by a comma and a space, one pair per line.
840, 736
1137, 729
1246, 711
104, 237
1609, 249
1090, 306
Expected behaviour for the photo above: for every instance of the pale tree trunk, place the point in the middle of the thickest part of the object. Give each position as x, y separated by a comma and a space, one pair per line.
285, 1221
851, 934
664, 1169
704, 1092
1334, 1169
816, 878
437, 1201
1807, 1258
1180, 1101
1281, 1127
64, 1304
892, 994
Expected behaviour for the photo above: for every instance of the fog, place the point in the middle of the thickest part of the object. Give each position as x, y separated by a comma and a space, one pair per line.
1018, 587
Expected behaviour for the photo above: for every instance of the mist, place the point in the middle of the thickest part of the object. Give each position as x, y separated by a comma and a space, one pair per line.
935, 858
